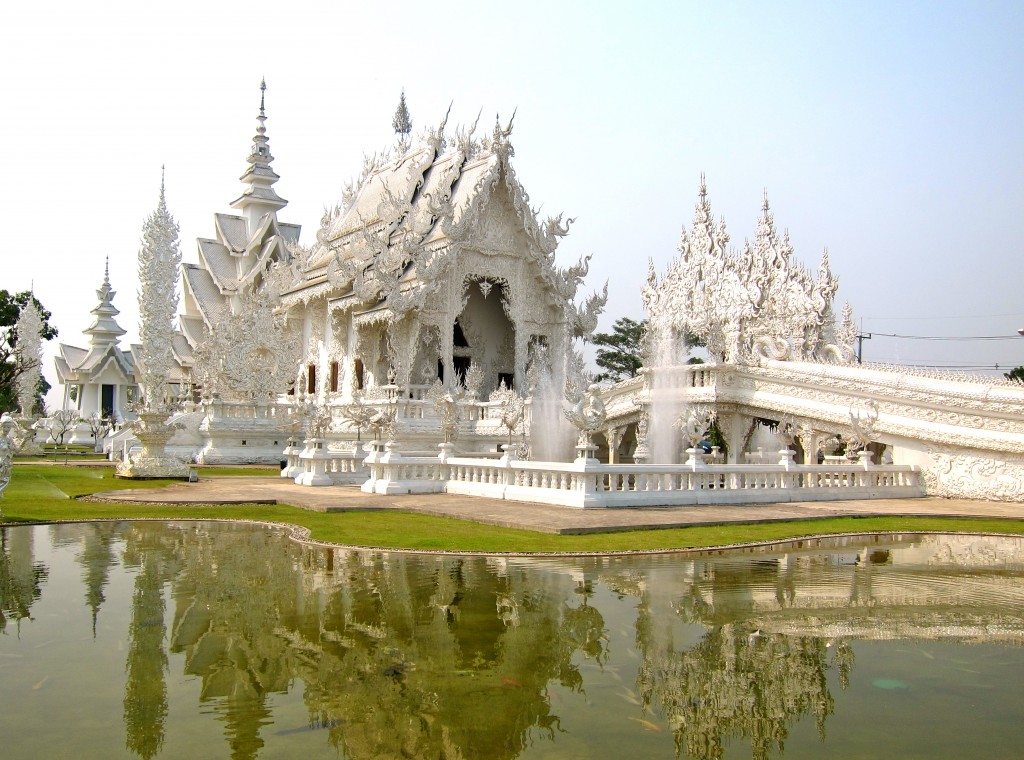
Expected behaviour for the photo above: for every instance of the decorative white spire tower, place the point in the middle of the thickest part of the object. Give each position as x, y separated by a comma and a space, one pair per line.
259, 197
159, 260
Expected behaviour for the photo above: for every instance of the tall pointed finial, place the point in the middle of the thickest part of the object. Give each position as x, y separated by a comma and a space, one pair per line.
402, 122
259, 195
106, 272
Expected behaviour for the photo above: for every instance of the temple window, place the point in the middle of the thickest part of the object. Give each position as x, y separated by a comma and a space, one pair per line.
311, 379
334, 377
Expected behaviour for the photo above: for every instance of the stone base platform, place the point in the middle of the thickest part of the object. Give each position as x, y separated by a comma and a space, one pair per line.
544, 518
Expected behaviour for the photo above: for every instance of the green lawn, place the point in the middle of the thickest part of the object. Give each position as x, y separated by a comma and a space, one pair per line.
44, 493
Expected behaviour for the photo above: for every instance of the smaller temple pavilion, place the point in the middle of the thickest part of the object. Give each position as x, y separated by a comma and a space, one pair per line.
98, 380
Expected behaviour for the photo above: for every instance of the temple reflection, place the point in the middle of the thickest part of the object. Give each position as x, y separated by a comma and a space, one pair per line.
457, 657
21, 577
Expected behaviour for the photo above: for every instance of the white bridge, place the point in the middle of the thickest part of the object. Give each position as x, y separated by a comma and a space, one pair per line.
966, 435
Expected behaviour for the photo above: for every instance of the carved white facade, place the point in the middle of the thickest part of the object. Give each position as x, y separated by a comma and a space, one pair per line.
749, 304
434, 262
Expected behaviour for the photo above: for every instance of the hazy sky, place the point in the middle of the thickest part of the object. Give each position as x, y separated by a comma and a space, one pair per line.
889, 132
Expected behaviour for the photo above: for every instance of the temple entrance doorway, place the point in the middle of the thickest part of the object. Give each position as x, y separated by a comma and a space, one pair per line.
486, 331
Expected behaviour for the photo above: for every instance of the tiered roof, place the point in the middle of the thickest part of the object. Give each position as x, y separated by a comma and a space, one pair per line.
83, 365
242, 248
391, 241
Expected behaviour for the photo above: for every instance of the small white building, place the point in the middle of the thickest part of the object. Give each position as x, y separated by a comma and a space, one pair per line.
100, 379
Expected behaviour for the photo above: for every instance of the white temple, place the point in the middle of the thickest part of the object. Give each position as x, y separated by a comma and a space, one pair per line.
98, 380
433, 262
430, 311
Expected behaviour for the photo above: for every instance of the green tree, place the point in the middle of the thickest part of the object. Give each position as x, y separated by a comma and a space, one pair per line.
1017, 373
10, 309
620, 352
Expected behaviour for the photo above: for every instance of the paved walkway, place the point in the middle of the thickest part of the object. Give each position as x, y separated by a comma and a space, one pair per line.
541, 517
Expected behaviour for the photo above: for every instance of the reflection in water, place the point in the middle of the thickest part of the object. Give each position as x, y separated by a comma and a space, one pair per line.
396, 655
97, 557
145, 693
21, 578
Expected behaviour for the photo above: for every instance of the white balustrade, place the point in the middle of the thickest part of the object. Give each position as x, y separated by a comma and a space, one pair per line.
585, 483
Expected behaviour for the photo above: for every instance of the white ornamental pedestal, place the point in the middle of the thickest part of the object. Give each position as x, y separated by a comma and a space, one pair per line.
153, 461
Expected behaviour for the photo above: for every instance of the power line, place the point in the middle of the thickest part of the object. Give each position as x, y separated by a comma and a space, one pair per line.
948, 337
965, 316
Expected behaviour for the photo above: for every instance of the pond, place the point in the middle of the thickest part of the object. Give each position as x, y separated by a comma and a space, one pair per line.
206, 639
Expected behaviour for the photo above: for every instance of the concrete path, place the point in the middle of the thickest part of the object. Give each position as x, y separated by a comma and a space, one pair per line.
541, 517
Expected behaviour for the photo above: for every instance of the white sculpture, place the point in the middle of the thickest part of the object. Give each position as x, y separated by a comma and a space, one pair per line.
447, 406
251, 356
28, 355
7, 424
158, 275
587, 416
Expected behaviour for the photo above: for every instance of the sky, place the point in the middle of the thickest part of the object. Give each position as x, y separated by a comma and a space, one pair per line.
888, 132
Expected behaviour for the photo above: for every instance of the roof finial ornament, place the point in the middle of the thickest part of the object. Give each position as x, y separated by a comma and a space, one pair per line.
500, 138
162, 201
259, 176
402, 123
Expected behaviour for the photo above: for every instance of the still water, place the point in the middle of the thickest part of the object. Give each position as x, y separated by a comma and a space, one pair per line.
204, 640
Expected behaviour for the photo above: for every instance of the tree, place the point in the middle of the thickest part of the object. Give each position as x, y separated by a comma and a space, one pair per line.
623, 351
1017, 374
11, 305
62, 422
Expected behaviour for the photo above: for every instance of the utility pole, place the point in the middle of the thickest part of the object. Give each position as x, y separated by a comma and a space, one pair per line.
861, 337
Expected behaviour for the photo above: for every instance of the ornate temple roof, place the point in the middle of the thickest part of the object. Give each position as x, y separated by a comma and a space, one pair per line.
82, 365
242, 248
392, 239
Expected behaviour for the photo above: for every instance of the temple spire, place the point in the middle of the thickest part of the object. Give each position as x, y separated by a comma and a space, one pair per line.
259, 197
104, 330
